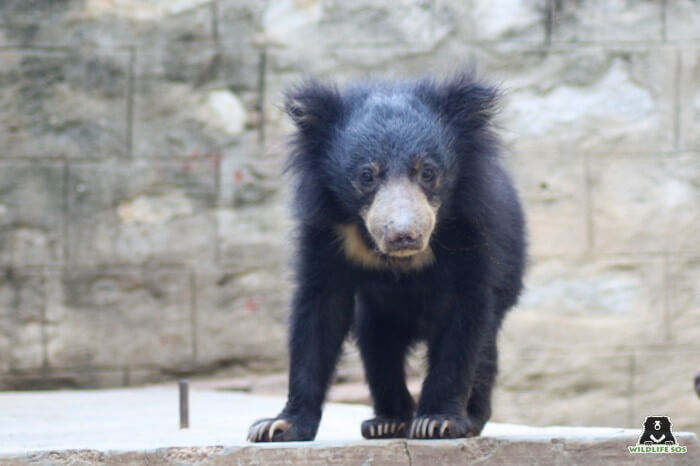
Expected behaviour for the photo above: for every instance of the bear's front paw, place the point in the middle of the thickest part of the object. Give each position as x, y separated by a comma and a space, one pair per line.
382, 427
435, 426
279, 429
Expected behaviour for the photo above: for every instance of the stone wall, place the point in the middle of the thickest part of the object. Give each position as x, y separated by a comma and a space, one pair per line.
143, 224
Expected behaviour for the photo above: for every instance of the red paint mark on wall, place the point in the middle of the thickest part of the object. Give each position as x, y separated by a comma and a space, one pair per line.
215, 162
251, 304
238, 176
195, 157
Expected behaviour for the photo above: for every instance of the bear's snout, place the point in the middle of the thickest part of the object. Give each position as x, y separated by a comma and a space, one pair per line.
400, 219
402, 236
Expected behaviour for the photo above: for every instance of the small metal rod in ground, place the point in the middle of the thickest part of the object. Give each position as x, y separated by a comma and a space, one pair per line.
183, 386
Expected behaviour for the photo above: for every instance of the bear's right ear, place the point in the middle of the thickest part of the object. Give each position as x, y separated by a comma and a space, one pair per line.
314, 107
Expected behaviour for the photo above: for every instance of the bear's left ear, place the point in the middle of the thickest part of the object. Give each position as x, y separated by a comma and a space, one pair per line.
314, 107
463, 100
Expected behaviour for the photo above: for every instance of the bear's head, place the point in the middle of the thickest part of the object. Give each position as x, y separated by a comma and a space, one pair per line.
383, 161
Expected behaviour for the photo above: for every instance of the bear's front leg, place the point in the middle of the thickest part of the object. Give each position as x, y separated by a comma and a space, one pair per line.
453, 353
319, 323
383, 352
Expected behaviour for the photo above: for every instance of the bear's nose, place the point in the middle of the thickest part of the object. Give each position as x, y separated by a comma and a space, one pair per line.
398, 239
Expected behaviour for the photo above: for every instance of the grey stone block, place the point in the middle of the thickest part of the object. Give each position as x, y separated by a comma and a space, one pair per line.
575, 382
239, 23
254, 223
241, 316
554, 193
588, 99
122, 317
142, 212
373, 36
689, 100
420, 25
609, 20
63, 103
683, 20
684, 301
22, 304
249, 239
500, 20
588, 303
193, 93
251, 174
147, 25
673, 368
193, 101
31, 213
645, 203
41, 22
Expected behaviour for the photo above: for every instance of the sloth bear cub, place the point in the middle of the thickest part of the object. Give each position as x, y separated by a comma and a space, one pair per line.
409, 230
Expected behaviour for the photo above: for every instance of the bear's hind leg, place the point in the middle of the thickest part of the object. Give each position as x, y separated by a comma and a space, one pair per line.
479, 405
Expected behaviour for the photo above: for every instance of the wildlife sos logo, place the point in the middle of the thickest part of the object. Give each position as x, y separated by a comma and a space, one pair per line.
657, 437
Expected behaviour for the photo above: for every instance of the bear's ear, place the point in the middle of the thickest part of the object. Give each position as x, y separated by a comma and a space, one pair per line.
464, 101
314, 107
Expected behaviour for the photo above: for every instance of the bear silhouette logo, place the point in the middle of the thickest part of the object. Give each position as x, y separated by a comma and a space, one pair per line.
657, 431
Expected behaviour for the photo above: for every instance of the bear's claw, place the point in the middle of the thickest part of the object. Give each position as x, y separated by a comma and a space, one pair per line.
440, 426
384, 428
268, 430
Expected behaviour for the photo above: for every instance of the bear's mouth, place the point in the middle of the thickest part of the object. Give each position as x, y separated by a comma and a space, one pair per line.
360, 248
397, 255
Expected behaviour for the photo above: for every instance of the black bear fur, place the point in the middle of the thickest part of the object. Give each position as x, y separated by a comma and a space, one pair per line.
453, 298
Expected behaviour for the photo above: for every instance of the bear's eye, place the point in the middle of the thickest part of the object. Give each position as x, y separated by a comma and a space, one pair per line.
367, 177
428, 175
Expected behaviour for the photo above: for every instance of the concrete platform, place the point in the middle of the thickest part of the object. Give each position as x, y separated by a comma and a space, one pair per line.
135, 426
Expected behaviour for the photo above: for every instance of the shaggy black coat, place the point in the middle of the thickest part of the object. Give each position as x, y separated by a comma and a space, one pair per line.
455, 302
